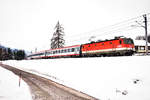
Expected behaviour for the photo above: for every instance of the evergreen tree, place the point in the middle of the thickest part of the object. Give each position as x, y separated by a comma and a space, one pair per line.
57, 40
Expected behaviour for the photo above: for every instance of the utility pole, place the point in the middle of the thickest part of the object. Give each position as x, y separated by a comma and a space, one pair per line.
145, 21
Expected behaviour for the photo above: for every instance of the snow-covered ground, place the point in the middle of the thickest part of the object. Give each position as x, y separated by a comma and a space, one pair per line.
9, 87
106, 78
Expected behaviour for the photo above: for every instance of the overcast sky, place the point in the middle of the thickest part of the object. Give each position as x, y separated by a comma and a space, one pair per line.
29, 24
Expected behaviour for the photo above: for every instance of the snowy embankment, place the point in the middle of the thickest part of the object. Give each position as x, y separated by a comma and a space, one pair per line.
9, 87
106, 78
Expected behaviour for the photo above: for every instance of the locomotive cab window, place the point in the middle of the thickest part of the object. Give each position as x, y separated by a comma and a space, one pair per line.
128, 41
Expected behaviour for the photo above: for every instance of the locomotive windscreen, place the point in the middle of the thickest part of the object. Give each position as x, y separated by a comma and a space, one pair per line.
128, 41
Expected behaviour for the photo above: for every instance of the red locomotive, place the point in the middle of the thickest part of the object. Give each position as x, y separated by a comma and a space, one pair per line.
114, 47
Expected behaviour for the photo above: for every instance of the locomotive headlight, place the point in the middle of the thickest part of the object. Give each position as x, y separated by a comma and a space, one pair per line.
133, 49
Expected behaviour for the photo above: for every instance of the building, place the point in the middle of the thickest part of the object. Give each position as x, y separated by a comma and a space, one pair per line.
140, 46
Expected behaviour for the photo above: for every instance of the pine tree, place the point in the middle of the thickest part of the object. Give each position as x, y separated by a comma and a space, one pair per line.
57, 40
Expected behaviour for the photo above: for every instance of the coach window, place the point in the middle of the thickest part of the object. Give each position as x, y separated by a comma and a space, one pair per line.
72, 50
69, 50
62, 51
78, 49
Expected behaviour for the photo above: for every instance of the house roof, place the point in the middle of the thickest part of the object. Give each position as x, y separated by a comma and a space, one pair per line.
140, 42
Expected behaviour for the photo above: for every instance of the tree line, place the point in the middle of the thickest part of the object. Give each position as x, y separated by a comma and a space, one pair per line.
143, 38
9, 54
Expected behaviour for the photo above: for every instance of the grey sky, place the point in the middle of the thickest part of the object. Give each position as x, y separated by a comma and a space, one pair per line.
29, 24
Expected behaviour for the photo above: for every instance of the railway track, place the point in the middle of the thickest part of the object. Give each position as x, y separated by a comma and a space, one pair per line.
46, 89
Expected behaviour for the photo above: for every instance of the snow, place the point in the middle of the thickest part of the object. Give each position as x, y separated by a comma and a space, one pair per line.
9, 88
140, 42
106, 78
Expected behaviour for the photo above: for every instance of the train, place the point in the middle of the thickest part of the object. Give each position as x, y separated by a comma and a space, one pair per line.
119, 46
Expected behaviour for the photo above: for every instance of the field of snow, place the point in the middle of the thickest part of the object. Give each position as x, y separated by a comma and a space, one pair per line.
9, 87
106, 78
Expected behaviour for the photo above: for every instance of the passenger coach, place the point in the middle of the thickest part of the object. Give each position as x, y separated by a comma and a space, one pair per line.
70, 51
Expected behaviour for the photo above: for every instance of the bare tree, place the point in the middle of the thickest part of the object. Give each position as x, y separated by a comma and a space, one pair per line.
143, 38
57, 40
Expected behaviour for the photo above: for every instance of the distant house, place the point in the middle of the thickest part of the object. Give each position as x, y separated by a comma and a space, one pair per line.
140, 46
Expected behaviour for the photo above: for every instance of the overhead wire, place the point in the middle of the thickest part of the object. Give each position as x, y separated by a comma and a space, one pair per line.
107, 30
114, 25
107, 33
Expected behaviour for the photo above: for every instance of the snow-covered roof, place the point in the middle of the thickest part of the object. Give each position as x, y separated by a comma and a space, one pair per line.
140, 42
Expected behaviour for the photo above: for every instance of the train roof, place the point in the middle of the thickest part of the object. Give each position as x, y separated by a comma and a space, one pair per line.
64, 47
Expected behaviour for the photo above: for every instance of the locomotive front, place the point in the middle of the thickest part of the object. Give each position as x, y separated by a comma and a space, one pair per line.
128, 44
